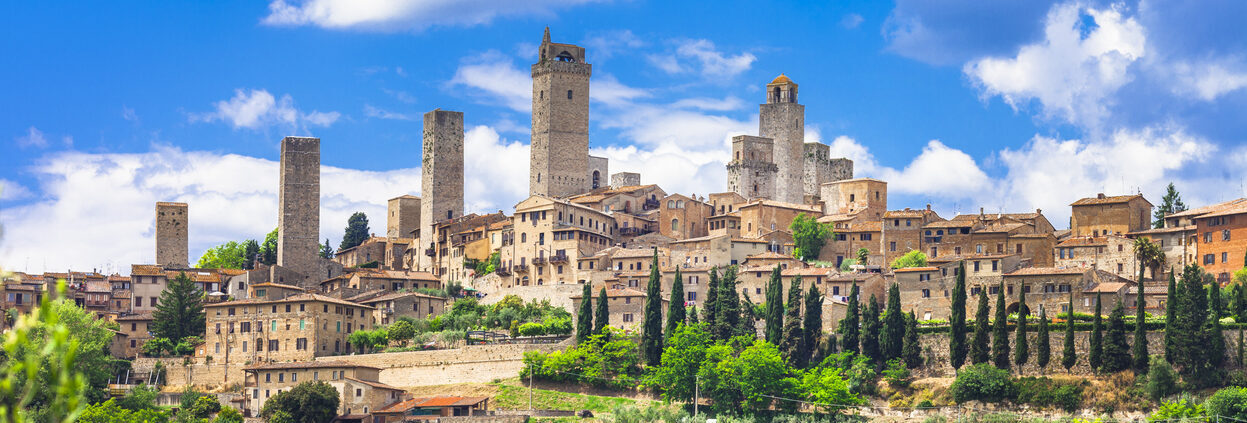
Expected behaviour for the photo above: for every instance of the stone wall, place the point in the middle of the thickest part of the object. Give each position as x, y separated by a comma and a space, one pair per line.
469, 364
560, 127
625, 179
785, 123
441, 182
298, 216
171, 235
485, 419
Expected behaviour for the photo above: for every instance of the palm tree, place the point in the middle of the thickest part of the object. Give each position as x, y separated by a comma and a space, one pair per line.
1148, 255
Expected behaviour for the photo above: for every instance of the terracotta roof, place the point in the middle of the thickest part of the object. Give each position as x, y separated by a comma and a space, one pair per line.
954, 223
136, 316
907, 213
808, 271
1083, 242
616, 293
395, 274
1108, 287
1002, 227
1238, 208
378, 385
307, 365
781, 79
875, 226
755, 241
1044, 235
394, 295
1032, 271
634, 253
146, 270
276, 285
915, 269
769, 255
1207, 209
780, 204
399, 407
290, 299
501, 224
1163, 230
1111, 199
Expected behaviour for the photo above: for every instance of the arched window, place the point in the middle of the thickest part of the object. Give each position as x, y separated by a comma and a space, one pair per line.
671, 204
597, 177
755, 188
675, 224
679, 204
565, 57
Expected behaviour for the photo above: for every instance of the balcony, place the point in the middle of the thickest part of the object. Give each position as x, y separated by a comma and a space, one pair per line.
429, 252
650, 204
559, 258
539, 261
632, 231
521, 268
503, 271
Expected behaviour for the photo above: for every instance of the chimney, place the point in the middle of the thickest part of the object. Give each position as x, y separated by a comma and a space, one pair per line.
980, 212
928, 206
1038, 211
1100, 196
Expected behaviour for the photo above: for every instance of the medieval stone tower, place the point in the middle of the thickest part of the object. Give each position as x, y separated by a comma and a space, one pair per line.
821, 169
171, 235
441, 183
298, 203
782, 120
402, 216
599, 170
560, 138
752, 171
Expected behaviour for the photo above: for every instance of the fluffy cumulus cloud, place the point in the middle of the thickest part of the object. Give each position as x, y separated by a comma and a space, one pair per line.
701, 57
257, 109
939, 170
495, 79
1210, 79
399, 15
11, 190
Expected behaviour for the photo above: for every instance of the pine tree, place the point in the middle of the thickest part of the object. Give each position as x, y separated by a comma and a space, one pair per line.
1021, 349
1169, 204
584, 321
1171, 306
793, 342
1140, 358
813, 325
1043, 348
775, 308
911, 352
675, 311
692, 316
356, 231
251, 253
1236, 303
727, 320
748, 325
1191, 349
980, 350
870, 332
1068, 357
1000, 331
850, 325
1096, 358
180, 311
651, 329
1116, 351
711, 307
602, 319
326, 252
957, 347
892, 334
1216, 339
1240, 347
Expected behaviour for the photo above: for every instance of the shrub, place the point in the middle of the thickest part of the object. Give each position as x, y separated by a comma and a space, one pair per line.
531, 329
1162, 381
982, 382
644, 414
1228, 402
1181, 409
896, 373
1045, 392
156, 346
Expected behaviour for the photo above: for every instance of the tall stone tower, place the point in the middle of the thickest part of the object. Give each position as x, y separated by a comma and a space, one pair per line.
171, 235
402, 216
560, 139
821, 169
752, 171
441, 182
298, 203
782, 119
599, 171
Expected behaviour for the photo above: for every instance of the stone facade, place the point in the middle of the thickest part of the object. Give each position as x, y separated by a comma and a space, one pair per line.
752, 173
296, 328
357, 385
441, 184
389, 307
560, 138
1104, 215
1219, 241
402, 216
902, 231
298, 216
599, 168
782, 119
625, 179
551, 235
171, 235
683, 217
820, 169
1113, 254
855, 197
626, 308
136, 329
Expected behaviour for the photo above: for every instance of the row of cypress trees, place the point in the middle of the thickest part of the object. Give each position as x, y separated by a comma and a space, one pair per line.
880, 334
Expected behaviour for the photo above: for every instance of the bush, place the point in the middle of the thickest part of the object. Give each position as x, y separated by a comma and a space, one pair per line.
1228, 402
531, 329
156, 346
228, 415
1182, 409
896, 374
982, 382
1162, 381
1045, 392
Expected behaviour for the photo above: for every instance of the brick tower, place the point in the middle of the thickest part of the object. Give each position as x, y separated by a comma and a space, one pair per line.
782, 119
752, 171
560, 139
441, 183
171, 235
298, 203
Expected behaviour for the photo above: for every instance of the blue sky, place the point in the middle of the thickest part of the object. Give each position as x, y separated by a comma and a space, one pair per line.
1010, 105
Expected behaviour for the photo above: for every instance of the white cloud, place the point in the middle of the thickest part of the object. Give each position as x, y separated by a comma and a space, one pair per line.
656, 125
1208, 80
255, 109
851, 21
397, 15
495, 169
1074, 71
494, 76
10, 190
728, 103
606, 44
606, 89
33, 138
675, 169
129, 114
702, 57
938, 170
372, 111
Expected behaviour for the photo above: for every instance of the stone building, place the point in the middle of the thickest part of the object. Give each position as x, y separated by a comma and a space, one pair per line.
760, 217
1178, 238
849, 237
376, 281
171, 234
298, 216
683, 217
820, 168
1105, 215
861, 198
752, 173
782, 120
441, 183
429, 408
137, 330
1112, 253
551, 236
599, 168
625, 179
146, 284
636, 200
387, 253
559, 166
1221, 240
402, 216
389, 307
447, 244
902, 231
295, 328
359, 393
626, 307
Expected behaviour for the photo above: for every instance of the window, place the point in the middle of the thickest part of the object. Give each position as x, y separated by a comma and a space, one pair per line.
892, 246
1210, 259
569, 94
976, 265
1225, 257
926, 293
1207, 237
1225, 235
627, 317
995, 265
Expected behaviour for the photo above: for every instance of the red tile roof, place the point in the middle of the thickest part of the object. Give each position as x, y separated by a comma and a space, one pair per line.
1111, 199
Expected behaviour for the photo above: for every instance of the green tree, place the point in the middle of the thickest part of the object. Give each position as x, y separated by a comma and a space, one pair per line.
356, 231
42, 374
307, 402
1191, 343
268, 250
980, 349
141, 397
813, 323
402, 331
602, 319
676, 310
204, 407
756, 376
1021, 349
793, 341
1116, 351
727, 322
251, 251
326, 252
892, 333
584, 318
748, 324
957, 347
863, 255
1169, 204
685, 351
1043, 348
827, 385
1171, 308
913, 258
1139, 353
911, 352
809, 236
774, 308
230, 255
651, 328
850, 325
1096, 357
870, 332
180, 312
1000, 331
1216, 339
710, 308
1068, 357
110, 412
228, 415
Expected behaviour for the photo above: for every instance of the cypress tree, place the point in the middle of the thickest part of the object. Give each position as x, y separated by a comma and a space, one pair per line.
1116, 351
793, 341
1068, 357
727, 320
1021, 349
1190, 335
603, 314
957, 347
711, 307
651, 329
1096, 358
850, 325
692, 316
813, 323
748, 317
870, 332
911, 352
1235, 306
1140, 362
180, 312
892, 335
584, 319
1043, 348
1000, 331
1216, 338
775, 308
675, 310
980, 351
1171, 306
1240, 346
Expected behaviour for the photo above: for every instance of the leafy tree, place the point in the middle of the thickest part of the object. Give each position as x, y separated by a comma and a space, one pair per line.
602, 319
584, 318
205, 406
42, 374
156, 347
793, 341
982, 382
651, 335
230, 255
251, 251
110, 412
1068, 357
307, 402
402, 331
1096, 357
892, 333
827, 385
809, 236
870, 332
748, 324
1139, 352
957, 347
1169, 204
1162, 381
1116, 351
863, 255
268, 250
813, 323
850, 326
1216, 339
692, 315
980, 349
326, 252
1230, 403
1021, 350
911, 352
141, 397
727, 322
685, 351
1000, 331
755, 376
710, 308
180, 312
356, 231
913, 258
676, 310
775, 308
1171, 310
1043, 348
228, 415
